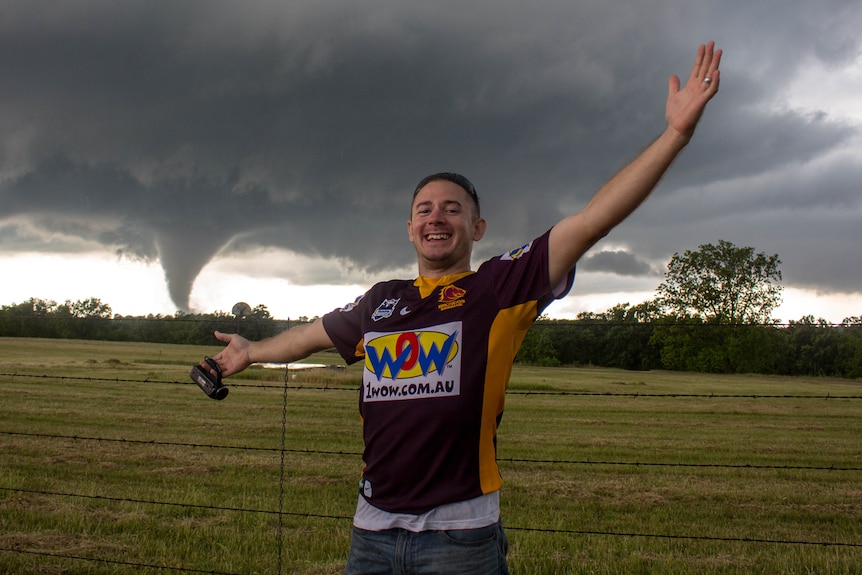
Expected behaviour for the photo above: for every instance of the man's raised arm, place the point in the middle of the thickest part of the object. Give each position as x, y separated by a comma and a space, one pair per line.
623, 193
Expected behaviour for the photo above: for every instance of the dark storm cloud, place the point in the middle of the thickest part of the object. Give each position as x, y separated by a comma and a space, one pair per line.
174, 130
617, 262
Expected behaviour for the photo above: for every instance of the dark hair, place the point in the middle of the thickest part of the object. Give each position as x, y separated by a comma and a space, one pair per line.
457, 179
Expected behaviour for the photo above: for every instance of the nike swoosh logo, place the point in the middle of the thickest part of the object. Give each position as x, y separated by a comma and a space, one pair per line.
405, 310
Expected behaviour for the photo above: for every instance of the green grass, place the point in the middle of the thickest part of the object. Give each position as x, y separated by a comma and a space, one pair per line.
606, 471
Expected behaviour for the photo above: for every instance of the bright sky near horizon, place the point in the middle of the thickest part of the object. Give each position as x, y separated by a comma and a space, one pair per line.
164, 156
138, 289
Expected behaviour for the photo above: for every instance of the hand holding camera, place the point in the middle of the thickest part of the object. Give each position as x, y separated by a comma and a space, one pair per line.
212, 386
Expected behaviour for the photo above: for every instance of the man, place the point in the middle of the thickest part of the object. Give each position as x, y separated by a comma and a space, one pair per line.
438, 352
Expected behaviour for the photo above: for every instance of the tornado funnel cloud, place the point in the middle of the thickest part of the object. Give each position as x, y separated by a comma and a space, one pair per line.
183, 255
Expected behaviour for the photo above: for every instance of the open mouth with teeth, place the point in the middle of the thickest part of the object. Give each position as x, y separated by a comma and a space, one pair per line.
437, 237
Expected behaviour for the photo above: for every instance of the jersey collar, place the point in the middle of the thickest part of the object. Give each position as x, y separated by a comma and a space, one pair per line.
427, 285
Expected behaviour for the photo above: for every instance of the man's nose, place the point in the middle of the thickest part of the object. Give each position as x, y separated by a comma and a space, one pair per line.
436, 214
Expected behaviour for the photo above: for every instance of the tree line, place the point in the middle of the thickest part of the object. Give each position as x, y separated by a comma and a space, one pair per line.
93, 319
712, 313
806, 347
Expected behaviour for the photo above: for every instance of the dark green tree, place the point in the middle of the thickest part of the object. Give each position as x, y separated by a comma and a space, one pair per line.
721, 284
538, 347
718, 304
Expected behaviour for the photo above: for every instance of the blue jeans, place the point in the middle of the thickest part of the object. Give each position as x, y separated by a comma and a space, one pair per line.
399, 552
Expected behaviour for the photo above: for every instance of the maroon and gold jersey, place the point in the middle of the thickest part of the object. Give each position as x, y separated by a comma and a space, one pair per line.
438, 355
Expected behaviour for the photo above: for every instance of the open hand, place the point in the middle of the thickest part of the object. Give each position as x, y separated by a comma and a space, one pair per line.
685, 106
233, 358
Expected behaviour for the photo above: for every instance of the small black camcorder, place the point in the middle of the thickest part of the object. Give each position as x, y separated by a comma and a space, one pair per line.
212, 387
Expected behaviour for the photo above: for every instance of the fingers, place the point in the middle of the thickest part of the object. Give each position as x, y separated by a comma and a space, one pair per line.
698, 62
230, 359
705, 75
219, 358
706, 62
224, 364
673, 85
208, 368
705, 54
716, 80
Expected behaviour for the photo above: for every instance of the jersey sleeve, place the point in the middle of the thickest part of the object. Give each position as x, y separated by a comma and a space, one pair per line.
521, 275
344, 328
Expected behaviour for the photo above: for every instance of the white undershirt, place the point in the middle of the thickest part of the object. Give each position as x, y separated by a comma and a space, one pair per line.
471, 514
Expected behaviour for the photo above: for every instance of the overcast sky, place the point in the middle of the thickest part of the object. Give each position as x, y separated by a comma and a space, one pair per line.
280, 140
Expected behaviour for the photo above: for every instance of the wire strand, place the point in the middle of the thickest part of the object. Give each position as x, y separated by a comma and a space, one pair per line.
285, 450
524, 392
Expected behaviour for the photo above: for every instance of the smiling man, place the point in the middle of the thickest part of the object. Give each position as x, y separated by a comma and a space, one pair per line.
444, 223
438, 353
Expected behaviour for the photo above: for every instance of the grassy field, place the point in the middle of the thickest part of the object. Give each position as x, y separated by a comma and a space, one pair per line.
112, 461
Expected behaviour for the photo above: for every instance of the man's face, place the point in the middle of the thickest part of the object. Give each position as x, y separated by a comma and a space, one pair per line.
442, 227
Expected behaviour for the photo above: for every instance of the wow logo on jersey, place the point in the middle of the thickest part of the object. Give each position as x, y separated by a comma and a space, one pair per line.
413, 364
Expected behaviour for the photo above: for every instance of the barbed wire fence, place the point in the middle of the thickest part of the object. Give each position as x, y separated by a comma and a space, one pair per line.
281, 451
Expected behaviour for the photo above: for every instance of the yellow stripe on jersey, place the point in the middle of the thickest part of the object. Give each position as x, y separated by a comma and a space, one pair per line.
514, 321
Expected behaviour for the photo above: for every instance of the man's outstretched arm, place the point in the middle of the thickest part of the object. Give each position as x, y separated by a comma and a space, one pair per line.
289, 345
623, 193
